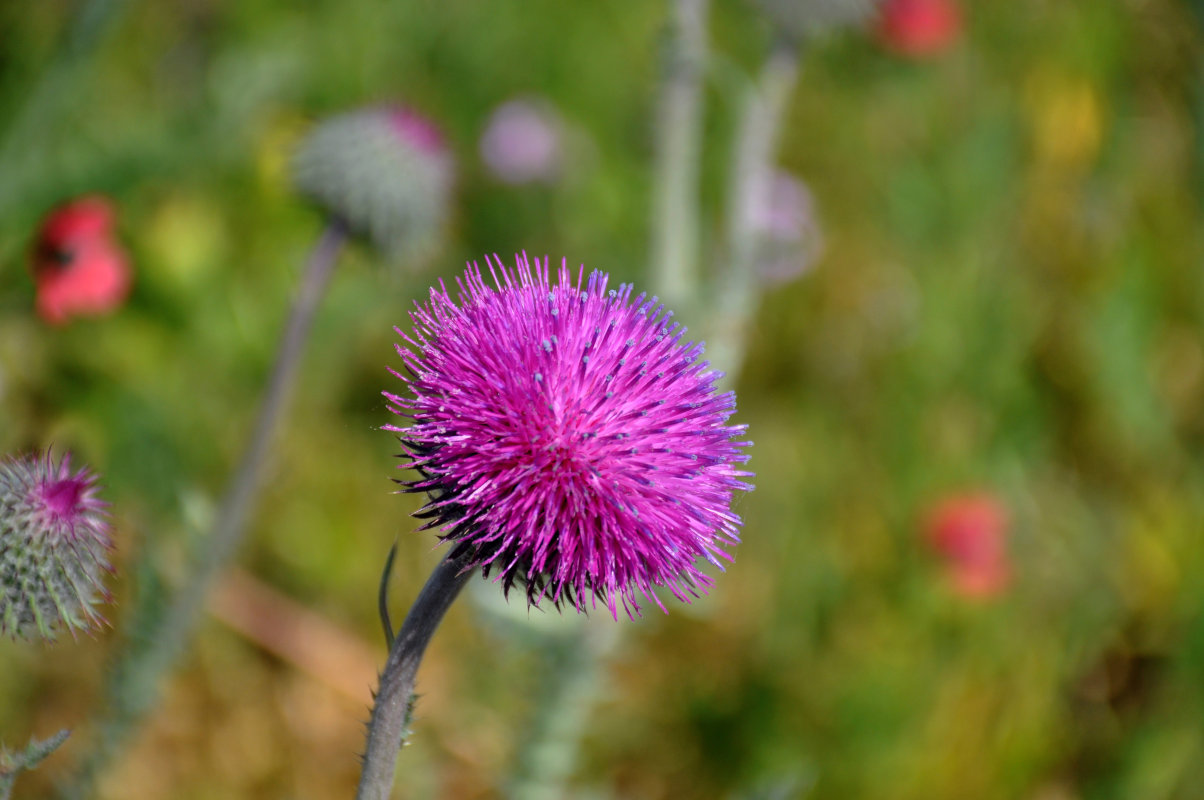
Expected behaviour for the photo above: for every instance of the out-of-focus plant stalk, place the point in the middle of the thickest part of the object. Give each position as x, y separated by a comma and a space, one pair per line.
547, 756
679, 148
736, 289
394, 698
138, 671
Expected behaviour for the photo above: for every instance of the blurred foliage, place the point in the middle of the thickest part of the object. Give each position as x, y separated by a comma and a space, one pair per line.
1011, 298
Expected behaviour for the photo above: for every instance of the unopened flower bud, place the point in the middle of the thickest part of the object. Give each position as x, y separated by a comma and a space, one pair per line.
385, 173
54, 547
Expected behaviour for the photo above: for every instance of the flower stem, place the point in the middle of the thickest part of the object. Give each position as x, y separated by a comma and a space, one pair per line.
756, 145
157, 640
390, 714
679, 146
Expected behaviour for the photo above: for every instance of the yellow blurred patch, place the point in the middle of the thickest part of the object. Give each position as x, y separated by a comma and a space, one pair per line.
1066, 119
185, 237
274, 149
1152, 559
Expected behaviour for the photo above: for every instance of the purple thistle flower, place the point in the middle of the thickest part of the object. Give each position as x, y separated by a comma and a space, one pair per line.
567, 438
54, 546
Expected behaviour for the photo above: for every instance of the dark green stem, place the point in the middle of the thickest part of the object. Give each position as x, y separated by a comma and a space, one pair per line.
390, 714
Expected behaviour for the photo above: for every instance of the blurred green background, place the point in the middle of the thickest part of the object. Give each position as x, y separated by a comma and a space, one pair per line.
1010, 299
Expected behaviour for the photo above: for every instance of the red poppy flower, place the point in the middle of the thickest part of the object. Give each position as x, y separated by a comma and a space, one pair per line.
969, 533
919, 28
78, 266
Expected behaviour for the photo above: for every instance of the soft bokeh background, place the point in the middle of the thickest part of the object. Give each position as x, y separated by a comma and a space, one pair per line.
1009, 300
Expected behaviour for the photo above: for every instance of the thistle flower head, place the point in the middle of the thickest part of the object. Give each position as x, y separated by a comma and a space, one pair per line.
384, 172
568, 439
54, 546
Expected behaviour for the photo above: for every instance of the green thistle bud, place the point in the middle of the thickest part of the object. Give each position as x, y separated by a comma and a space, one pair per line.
385, 173
54, 546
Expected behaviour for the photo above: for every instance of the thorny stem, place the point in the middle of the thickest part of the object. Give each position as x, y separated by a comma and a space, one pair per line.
390, 714
172, 630
679, 147
756, 145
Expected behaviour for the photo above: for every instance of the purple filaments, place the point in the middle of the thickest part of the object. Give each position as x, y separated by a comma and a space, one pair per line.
416, 130
568, 439
54, 547
65, 504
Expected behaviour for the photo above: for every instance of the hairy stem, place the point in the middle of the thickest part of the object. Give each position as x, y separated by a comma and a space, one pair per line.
752, 163
679, 146
160, 639
390, 714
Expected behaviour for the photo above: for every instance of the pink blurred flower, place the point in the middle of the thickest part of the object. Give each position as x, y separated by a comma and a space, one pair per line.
78, 266
789, 239
919, 28
522, 142
969, 533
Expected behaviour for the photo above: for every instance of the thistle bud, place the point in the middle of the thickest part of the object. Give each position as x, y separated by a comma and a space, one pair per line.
385, 173
54, 547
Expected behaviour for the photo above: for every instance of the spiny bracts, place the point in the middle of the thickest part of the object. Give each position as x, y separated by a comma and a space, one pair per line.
385, 173
54, 547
